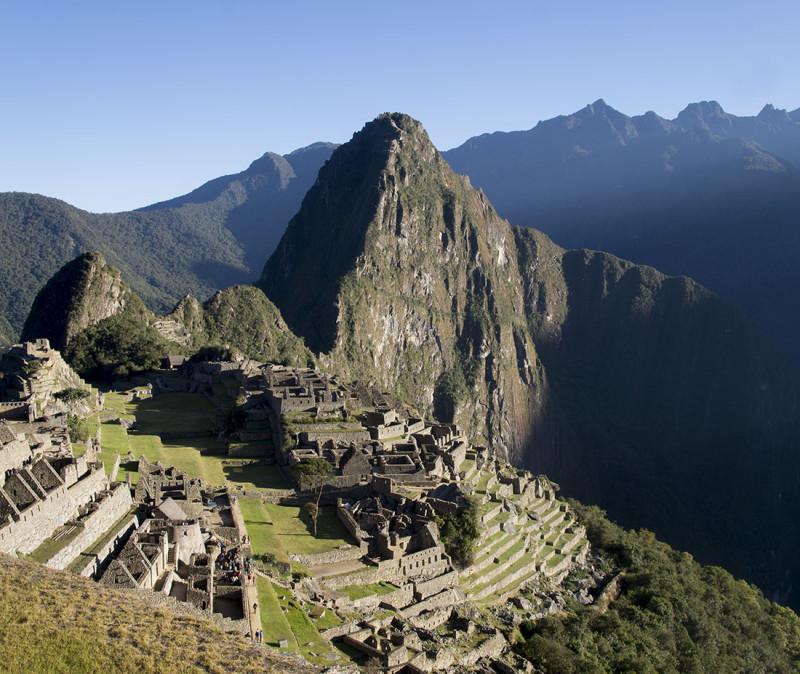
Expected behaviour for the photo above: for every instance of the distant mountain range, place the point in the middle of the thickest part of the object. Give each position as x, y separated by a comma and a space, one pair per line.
708, 195
217, 235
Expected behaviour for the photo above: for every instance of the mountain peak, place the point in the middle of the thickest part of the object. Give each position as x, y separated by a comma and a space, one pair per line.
772, 115
707, 115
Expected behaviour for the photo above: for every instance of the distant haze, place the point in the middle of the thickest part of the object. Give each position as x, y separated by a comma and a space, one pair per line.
114, 106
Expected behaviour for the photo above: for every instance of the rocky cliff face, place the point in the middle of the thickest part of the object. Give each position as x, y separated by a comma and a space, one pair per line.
675, 413
82, 293
400, 273
640, 392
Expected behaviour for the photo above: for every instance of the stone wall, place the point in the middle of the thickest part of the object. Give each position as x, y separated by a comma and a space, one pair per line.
339, 437
449, 597
427, 588
343, 554
349, 523
491, 648
95, 568
109, 510
398, 599
115, 468
372, 574
228, 533
422, 563
430, 620
84, 489
12, 455
37, 522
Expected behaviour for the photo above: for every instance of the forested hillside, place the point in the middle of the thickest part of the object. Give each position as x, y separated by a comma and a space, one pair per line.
212, 238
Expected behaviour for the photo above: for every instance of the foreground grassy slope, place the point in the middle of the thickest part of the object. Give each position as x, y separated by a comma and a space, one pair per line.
54, 621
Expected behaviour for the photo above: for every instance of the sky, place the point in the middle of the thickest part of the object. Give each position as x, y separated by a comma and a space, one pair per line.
116, 105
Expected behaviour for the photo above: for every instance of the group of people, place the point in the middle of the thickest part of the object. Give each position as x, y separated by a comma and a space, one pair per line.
235, 570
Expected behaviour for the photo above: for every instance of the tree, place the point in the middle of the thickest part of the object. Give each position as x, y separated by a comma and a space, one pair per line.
78, 429
459, 531
313, 469
71, 395
311, 511
314, 473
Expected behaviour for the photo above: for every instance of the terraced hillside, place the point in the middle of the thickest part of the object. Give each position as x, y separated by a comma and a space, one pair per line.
525, 536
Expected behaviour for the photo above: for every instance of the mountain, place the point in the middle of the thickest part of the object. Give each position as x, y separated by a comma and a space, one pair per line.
104, 330
396, 270
217, 235
82, 293
708, 195
640, 392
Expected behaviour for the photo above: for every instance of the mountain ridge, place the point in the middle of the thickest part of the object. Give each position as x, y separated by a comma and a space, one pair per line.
708, 195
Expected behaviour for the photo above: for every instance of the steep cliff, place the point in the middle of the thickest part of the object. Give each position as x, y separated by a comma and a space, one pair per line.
400, 273
676, 413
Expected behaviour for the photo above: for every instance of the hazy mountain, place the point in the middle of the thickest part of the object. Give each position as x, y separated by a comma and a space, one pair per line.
708, 195
640, 392
218, 235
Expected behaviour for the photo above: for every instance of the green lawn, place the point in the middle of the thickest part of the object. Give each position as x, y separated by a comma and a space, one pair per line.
296, 534
50, 547
174, 413
274, 623
255, 477
329, 619
261, 530
359, 591
304, 630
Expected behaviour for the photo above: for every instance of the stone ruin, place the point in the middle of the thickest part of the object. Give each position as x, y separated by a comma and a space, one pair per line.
187, 546
33, 374
46, 493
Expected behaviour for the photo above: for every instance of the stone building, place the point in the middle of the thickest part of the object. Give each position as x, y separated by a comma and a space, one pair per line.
43, 487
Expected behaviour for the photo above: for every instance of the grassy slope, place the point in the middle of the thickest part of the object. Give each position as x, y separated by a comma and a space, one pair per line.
294, 531
55, 621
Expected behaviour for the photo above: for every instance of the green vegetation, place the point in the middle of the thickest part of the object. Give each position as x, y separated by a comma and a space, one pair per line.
244, 317
71, 395
672, 615
263, 533
295, 534
56, 622
459, 532
118, 346
303, 628
178, 414
52, 545
174, 413
79, 429
367, 590
273, 621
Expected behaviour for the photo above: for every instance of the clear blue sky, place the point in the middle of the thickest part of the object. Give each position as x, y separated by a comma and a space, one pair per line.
118, 104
